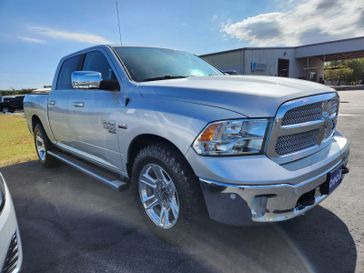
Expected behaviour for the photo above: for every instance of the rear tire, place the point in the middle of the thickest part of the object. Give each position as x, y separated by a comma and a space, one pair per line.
42, 145
175, 193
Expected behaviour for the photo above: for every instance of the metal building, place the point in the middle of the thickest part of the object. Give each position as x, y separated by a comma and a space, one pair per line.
305, 62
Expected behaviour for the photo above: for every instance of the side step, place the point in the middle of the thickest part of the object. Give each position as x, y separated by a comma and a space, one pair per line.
106, 177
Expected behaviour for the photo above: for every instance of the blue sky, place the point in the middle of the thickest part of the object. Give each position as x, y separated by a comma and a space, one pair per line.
36, 34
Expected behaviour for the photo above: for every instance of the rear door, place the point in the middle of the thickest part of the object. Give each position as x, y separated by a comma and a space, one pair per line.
59, 102
95, 114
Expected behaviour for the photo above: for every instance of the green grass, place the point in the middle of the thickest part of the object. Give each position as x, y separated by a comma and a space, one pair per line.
16, 142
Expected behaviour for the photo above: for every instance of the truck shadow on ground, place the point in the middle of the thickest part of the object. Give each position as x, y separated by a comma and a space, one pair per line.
71, 223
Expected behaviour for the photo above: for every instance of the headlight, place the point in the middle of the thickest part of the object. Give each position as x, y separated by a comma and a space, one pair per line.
2, 192
232, 137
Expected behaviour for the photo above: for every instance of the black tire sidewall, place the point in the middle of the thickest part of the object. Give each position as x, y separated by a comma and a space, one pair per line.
190, 195
140, 166
48, 161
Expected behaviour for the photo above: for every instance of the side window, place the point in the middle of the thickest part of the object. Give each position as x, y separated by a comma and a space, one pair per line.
68, 66
96, 61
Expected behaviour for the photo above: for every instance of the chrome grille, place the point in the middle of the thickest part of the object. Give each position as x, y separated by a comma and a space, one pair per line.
296, 142
332, 106
329, 129
303, 114
12, 256
302, 127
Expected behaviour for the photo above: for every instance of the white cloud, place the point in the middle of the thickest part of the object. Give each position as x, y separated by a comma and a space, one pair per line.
31, 40
71, 36
304, 22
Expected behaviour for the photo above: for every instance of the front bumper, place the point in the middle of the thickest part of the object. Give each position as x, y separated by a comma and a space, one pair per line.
10, 244
295, 187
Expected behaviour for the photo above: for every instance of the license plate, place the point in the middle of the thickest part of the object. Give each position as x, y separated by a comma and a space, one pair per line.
335, 178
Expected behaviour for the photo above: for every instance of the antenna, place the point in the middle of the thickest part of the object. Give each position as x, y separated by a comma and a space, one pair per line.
117, 15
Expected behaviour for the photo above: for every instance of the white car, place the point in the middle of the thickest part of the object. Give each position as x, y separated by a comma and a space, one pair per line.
11, 255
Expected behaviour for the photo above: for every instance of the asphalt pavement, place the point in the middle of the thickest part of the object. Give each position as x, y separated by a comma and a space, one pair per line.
72, 223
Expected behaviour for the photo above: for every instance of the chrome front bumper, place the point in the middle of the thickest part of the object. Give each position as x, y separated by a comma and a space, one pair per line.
242, 204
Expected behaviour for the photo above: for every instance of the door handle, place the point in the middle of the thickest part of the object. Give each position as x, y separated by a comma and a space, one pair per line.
79, 104
51, 102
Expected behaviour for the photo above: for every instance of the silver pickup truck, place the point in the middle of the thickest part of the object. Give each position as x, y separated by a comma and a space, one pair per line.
187, 139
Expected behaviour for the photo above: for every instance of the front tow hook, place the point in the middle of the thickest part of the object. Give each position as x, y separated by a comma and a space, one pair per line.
345, 170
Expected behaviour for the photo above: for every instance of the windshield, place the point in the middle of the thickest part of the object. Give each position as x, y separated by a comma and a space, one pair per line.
147, 64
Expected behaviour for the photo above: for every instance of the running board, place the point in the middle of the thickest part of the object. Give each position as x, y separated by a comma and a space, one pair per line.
106, 177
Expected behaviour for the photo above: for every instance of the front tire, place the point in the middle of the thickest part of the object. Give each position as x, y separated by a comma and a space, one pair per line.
42, 145
166, 190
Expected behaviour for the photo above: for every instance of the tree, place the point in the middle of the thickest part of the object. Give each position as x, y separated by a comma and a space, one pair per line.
16, 92
345, 71
357, 65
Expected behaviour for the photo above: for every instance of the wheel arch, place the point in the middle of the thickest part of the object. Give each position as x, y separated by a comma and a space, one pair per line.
35, 121
143, 140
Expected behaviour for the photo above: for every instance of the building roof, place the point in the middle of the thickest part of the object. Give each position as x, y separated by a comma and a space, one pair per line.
354, 39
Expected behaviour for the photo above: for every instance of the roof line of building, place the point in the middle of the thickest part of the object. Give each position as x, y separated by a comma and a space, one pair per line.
281, 47
243, 48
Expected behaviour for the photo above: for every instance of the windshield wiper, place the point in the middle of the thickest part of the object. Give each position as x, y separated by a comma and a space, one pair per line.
165, 77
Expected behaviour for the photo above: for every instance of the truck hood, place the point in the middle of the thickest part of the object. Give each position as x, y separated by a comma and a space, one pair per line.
251, 96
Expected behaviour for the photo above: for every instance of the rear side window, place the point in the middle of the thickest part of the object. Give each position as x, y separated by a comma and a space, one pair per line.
96, 61
68, 66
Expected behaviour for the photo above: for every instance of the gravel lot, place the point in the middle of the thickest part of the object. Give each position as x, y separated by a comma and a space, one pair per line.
71, 223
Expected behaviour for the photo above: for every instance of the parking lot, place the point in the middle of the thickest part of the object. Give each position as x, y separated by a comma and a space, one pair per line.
72, 223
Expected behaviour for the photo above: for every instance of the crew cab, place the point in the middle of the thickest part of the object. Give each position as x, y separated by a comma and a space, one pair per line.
186, 138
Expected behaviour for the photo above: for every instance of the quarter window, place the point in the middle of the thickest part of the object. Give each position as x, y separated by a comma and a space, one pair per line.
68, 66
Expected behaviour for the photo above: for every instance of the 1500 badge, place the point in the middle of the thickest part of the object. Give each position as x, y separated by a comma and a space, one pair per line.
109, 125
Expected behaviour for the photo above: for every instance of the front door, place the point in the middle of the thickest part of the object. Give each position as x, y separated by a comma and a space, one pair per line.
95, 114
283, 67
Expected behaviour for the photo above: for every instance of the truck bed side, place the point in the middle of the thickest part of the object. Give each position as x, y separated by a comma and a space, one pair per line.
36, 108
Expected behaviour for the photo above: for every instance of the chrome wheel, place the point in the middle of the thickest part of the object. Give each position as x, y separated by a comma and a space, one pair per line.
39, 143
159, 196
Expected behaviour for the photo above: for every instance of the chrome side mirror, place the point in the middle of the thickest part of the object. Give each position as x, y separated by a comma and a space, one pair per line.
86, 79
